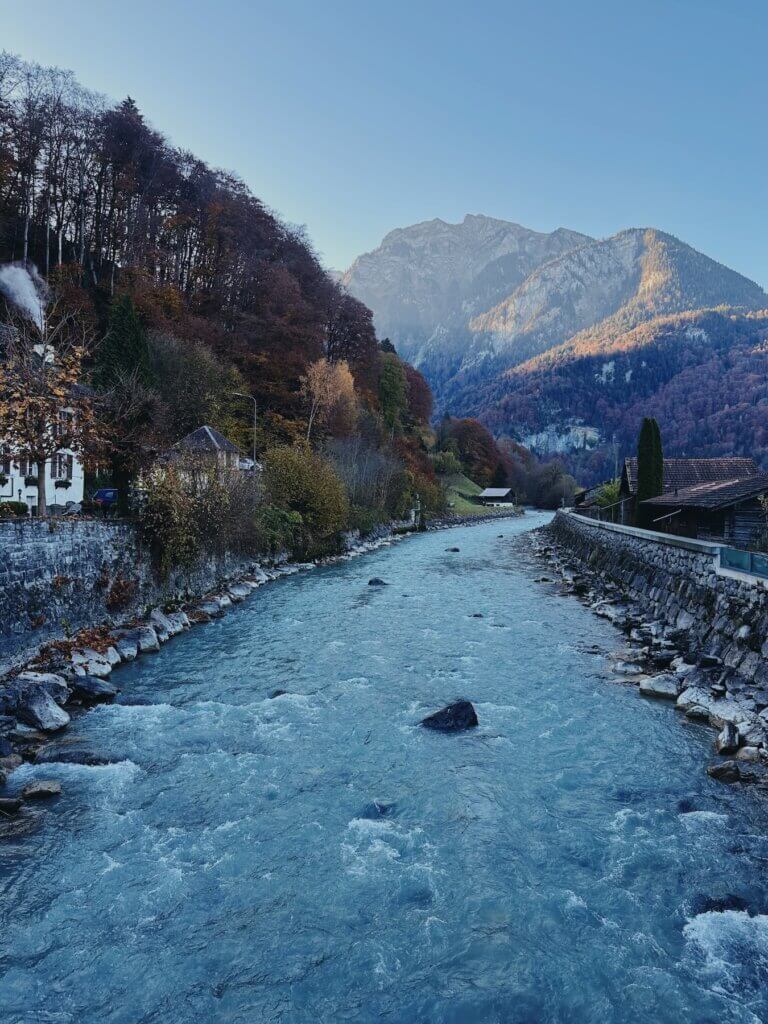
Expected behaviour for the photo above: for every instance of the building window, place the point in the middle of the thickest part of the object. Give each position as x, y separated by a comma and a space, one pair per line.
5, 463
64, 423
61, 466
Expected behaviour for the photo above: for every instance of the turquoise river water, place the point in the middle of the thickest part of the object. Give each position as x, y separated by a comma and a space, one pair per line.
318, 857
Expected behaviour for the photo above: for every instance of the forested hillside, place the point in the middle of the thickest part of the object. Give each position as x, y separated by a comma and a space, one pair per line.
142, 238
703, 375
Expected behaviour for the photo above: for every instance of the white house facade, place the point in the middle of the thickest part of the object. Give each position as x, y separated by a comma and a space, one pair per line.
64, 480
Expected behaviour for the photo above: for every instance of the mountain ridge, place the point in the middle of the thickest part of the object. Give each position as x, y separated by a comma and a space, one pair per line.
563, 301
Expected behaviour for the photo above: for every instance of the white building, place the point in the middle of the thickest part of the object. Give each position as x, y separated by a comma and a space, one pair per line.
64, 478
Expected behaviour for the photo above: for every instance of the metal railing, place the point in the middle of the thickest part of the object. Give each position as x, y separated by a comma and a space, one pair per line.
752, 562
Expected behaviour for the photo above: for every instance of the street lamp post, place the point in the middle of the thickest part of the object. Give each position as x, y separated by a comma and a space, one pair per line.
240, 394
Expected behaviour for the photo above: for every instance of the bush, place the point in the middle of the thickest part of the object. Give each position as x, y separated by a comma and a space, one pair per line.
12, 509
301, 481
277, 529
365, 519
168, 522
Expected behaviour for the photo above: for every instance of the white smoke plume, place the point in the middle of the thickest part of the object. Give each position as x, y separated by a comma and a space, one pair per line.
23, 286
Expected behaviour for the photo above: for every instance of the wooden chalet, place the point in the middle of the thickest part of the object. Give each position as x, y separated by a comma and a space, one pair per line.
497, 496
681, 474
727, 511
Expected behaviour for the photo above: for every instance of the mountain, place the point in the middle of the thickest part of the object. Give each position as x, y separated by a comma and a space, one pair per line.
547, 362
702, 374
425, 283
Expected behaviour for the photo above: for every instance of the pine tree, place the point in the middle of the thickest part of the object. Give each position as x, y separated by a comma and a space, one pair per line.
124, 351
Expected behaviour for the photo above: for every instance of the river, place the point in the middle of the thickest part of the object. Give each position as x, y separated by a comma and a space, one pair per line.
318, 857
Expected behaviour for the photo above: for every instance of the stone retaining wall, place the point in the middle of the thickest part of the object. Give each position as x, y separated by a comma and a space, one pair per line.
678, 582
59, 575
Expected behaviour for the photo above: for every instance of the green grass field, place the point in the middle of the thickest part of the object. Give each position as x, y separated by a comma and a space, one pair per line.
456, 486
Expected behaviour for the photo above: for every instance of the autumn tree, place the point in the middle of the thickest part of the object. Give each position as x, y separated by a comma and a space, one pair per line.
326, 385
44, 410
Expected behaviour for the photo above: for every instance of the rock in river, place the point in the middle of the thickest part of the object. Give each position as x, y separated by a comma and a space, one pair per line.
453, 718
376, 582
41, 789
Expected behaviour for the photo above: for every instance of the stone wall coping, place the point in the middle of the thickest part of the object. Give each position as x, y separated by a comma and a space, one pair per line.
666, 539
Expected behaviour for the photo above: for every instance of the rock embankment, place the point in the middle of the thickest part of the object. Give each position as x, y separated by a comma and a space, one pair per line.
696, 637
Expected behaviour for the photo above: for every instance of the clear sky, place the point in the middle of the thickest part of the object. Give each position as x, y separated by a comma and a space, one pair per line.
357, 117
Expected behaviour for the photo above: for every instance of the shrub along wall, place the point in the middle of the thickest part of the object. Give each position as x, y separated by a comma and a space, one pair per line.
57, 576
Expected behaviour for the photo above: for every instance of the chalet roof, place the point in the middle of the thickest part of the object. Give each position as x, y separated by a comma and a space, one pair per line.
206, 441
679, 473
713, 495
495, 492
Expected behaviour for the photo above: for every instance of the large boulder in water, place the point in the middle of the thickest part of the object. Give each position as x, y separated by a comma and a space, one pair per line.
453, 718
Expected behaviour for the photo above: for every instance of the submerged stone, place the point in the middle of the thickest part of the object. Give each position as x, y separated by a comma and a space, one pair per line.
377, 582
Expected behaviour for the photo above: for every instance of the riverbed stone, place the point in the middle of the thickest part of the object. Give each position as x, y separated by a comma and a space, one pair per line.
239, 591
454, 717
376, 581
41, 789
10, 805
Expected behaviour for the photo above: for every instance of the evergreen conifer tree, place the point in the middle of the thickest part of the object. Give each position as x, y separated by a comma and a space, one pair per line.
658, 460
124, 350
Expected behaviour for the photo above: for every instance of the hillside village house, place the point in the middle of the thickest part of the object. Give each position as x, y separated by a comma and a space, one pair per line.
207, 446
64, 476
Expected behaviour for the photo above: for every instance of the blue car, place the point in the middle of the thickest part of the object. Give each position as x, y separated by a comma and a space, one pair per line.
105, 498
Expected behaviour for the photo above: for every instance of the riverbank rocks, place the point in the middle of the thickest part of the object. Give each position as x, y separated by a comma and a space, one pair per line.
41, 789
92, 663
727, 741
664, 687
29, 700
10, 805
455, 717
92, 690
725, 771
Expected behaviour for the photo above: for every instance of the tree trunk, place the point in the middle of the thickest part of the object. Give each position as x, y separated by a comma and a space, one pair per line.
42, 507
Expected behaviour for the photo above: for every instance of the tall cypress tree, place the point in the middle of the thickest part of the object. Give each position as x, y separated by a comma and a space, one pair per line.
645, 464
658, 460
124, 349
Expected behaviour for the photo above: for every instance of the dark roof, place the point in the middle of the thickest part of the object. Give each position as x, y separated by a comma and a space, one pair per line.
713, 495
679, 473
206, 440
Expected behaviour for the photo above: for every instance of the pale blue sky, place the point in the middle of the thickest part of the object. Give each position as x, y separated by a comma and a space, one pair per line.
357, 117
